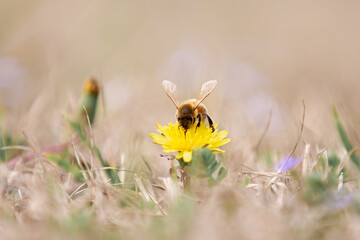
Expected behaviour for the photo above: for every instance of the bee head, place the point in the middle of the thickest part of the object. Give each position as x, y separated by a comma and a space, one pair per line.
185, 116
186, 121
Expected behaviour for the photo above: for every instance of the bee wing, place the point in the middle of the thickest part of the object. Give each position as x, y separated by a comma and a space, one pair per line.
206, 89
170, 90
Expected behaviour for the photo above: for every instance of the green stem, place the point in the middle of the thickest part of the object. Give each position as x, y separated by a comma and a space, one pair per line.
186, 182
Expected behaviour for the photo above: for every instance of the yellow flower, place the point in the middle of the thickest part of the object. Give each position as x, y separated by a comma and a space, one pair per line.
91, 86
174, 138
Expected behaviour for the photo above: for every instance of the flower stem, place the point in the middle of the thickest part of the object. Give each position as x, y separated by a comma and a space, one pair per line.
186, 181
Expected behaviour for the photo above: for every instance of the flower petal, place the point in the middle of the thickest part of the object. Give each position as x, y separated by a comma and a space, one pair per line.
187, 156
173, 138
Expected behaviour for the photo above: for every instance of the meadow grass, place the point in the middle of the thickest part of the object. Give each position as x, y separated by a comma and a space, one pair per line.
75, 189
78, 166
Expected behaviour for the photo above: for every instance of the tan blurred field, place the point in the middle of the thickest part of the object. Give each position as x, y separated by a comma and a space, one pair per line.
267, 57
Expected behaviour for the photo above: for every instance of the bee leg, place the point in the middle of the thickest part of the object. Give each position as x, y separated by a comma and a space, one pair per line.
199, 120
211, 124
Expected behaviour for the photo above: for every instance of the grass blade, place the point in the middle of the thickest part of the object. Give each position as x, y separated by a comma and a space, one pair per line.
2, 144
345, 140
111, 173
66, 166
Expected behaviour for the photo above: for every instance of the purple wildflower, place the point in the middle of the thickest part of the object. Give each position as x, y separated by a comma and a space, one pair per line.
288, 163
342, 202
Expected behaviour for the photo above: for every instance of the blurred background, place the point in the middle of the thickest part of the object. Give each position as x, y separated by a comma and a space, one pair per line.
266, 55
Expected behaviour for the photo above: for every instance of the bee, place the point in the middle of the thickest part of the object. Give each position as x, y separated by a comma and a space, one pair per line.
192, 110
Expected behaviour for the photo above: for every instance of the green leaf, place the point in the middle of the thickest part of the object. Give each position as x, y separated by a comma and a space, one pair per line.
182, 163
245, 182
66, 166
333, 160
213, 167
79, 221
345, 140
315, 190
77, 128
333, 179
222, 174
204, 164
208, 157
111, 173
